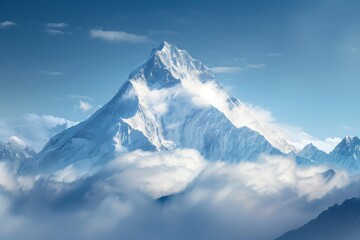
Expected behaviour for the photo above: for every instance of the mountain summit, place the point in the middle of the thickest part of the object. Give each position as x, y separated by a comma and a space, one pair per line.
171, 101
346, 154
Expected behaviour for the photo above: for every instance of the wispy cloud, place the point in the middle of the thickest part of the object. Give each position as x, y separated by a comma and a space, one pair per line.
224, 69
255, 66
52, 73
55, 28
159, 32
78, 97
7, 24
274, 54
181, 20
54, 31
85, 106
57, 25
345, 127
117, 36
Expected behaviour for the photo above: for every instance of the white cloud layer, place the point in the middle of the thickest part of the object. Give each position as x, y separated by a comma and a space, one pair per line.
208, 201
117, 36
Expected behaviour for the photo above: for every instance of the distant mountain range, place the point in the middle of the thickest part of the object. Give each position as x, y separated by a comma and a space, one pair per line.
345, 156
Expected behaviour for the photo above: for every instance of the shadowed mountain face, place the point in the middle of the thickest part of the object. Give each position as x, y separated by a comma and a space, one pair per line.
339, 222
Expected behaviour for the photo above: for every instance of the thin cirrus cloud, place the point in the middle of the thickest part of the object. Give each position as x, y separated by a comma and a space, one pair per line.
7, 24
255, 66
51, 73
55, 28
53, 31
78, 97
117, 36
274, 54
56, 25
224, 69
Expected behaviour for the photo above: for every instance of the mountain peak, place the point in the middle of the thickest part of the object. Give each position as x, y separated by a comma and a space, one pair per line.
165, 45
347, 153
348, 142
168, 65
313, 153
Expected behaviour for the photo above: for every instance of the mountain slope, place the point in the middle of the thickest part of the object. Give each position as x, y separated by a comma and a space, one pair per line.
337, 222
346, 154
14, 151
169, 102
311, 155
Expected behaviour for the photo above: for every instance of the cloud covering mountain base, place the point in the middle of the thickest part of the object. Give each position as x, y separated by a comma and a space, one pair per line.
165, 195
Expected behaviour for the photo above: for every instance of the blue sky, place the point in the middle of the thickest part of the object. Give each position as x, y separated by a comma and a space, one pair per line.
298, 59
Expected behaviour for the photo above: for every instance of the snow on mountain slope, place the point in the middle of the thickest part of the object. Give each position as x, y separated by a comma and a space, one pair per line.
313, 154
171, 101
14, 151
346, 154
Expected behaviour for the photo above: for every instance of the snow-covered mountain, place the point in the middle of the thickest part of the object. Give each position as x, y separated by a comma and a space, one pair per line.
311, 155
171, 101
346, 154
14, 151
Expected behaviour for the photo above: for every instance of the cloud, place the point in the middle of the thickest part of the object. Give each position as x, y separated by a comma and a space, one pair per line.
160, 32
117, 36
274, 54
85, 106
255, 66
51, 73
345, 127
181, 20
155, 174
226, 69
7, 24
79, 97
53, 31
34, 129
57, 25
229, 200
55, 28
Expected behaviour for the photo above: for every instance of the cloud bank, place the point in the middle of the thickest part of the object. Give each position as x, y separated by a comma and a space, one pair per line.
203, 200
